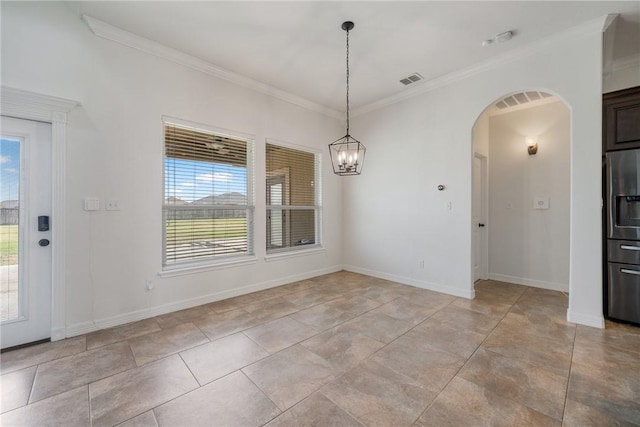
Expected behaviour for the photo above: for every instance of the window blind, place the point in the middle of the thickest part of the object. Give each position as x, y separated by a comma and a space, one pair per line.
208, 197
293, 198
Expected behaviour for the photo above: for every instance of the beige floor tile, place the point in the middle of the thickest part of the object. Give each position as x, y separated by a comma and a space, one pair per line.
128, 394
41, 353
498, 292
458, 317
617, 337
301, 285
15, 388
454, 340
229, 401
147, 419
534, 324
541, 314
547, 353
66, 409
290, 375
379, 294
216, 359
121, 333
183, 316
535, 387
464, 403
271, 309
578, 415
408, 311
412, 356
220, 325
271, 293
315, 411
343, 349
148, 348
322, 316
378, 326
280, 333
309, 298
482, 306
229, 304
378, 396
604, 357
80, 369
611, 392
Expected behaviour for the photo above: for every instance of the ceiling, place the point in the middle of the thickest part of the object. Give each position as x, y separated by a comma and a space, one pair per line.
299, 47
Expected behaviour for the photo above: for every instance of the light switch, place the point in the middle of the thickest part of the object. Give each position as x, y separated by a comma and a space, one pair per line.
91, 204
541, 203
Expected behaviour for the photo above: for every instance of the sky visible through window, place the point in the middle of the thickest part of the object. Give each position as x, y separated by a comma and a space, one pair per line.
9, 169
191, 180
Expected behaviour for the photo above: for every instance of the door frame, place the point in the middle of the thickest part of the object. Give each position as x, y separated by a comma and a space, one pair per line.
21, 104
484, 197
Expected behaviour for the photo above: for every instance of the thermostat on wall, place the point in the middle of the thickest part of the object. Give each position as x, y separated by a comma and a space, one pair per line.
541, 202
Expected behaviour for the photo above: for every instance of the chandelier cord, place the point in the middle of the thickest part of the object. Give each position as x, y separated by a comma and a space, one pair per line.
347, 82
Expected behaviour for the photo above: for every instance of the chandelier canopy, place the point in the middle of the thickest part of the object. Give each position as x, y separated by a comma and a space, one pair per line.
347, 153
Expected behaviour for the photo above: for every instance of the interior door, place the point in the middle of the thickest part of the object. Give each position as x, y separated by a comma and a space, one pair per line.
479, 226
25, 252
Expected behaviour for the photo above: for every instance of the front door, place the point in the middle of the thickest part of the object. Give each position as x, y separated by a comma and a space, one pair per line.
25, 250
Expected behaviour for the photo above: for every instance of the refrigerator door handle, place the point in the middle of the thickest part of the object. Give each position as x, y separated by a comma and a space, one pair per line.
627, 271
630, 248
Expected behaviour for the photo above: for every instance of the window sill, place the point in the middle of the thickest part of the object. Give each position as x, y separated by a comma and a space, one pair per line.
198, 268
293, 253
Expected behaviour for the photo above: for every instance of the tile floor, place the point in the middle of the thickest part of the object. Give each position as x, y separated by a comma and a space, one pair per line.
337, 350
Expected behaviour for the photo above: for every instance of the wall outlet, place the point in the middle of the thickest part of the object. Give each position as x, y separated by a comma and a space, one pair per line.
112, 205
149, 285
421, 263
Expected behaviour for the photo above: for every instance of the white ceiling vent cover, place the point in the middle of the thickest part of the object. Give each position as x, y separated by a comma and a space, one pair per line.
415, 77
521, 98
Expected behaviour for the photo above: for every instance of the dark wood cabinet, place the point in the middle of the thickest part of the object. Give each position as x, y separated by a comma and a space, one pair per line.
621, 119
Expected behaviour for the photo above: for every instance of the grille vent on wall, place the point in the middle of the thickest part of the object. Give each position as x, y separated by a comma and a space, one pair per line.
521, 98
415, 77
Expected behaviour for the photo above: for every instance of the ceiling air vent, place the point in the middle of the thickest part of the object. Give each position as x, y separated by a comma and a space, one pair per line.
521, 98
415, 77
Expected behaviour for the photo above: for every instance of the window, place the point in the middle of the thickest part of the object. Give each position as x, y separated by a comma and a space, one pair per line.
293, 198
208, 197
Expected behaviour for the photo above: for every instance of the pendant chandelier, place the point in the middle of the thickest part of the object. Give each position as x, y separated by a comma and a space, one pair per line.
347, 153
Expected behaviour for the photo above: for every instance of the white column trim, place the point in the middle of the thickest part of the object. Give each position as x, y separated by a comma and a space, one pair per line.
27, 105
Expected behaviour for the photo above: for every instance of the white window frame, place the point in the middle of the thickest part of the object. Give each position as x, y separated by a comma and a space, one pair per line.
302, 249
211, 263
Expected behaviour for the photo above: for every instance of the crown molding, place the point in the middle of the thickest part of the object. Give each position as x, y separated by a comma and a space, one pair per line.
33, 106
118, 35
574, 33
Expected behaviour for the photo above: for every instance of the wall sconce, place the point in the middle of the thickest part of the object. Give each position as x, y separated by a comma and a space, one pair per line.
532, 145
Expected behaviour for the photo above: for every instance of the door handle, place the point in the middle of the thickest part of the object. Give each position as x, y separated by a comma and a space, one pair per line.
627, 271
43, 242
480, 224
630, 248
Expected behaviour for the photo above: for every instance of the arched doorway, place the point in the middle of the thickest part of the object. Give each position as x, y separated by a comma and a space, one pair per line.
521, 191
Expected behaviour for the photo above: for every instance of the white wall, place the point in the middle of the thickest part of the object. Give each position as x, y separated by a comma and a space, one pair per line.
624, 74
530, 246
416, 144
115, 152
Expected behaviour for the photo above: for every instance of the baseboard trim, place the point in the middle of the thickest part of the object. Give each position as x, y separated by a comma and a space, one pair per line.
469, 294
121, 319
562, 287
585, 319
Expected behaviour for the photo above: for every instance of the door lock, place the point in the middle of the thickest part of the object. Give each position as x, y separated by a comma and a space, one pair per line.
44, 242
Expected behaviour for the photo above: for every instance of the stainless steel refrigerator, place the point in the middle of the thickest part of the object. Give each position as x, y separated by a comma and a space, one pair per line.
623, 235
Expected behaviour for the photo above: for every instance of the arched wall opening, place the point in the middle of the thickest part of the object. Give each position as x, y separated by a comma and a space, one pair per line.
521, 196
